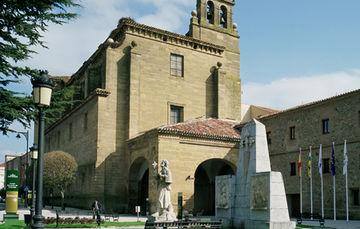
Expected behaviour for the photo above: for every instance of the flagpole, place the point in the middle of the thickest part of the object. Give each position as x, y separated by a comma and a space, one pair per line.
299, 168
334, 198
334, 183
345, 170
321, 181
311, 189
347, 198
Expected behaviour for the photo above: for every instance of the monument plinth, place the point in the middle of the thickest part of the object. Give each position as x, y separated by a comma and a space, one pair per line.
256, 194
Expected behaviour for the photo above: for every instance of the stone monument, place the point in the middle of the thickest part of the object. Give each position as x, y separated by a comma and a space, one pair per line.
259, 199
164, 209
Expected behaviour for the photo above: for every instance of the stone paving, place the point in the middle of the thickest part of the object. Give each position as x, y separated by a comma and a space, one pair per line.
338, 224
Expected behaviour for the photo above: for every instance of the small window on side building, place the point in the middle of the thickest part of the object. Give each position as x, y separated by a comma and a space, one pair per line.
85, 121
293, 169
176, 114
326, 165
268, 137
292, 132
70, 131
355, 197
325, 126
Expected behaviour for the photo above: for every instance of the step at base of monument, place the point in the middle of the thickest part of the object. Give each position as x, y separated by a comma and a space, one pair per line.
182, 224
11, 216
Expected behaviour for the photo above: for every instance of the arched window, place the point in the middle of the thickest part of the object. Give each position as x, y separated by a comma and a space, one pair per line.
223, 17
210, 12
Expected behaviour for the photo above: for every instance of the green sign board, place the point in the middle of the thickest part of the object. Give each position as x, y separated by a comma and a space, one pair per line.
12, 180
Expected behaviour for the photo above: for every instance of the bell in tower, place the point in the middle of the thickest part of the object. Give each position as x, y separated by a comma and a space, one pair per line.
212, 20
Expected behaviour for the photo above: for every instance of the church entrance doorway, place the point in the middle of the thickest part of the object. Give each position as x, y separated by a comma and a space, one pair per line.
139, 185
204, 195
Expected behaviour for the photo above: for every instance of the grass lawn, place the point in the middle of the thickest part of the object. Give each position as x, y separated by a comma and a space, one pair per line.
17, 224
13, 224
299, 226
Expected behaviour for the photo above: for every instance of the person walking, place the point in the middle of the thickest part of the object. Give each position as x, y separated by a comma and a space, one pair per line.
96, 208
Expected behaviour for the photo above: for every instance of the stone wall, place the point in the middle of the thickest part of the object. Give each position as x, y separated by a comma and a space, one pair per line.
185, 155
344, 123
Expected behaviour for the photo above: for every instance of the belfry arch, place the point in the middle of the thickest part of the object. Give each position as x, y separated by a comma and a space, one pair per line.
139, 185
204, 185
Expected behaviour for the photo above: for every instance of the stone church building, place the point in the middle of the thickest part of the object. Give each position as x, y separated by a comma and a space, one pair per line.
148, 94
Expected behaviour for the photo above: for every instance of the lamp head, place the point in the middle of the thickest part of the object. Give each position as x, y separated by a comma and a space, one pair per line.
34, 152
42, 89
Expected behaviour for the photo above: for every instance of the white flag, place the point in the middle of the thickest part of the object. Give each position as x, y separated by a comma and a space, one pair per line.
320, 160
345, 165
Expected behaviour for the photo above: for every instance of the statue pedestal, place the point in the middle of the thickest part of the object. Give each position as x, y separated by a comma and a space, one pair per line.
257, 196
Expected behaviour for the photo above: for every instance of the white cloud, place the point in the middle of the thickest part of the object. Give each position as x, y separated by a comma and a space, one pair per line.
170, 14
289, 92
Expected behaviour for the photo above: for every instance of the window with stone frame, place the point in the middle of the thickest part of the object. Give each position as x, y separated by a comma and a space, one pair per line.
326, 165
176, 65
70, 131
325, 126
268, 137
292, 132
176, 114
355, 197
292, 169
85, 121
58, 136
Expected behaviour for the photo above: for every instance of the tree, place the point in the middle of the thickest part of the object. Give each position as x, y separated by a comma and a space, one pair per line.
59, 172
21, 26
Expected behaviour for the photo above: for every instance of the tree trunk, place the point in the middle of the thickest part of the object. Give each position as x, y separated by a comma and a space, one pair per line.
62, 199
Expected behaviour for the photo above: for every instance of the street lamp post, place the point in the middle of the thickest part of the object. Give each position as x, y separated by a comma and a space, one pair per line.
42, 88
34, 155
26, 135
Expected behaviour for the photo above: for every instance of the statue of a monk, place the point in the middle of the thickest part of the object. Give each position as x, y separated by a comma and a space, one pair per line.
164, 208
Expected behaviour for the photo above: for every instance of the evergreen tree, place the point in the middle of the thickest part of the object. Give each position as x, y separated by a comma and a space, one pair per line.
21, 25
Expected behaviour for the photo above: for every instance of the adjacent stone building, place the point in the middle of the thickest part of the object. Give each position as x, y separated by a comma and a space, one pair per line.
323, 122
140, 80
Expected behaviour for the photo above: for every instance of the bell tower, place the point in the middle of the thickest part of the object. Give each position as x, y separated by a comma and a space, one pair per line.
213, 22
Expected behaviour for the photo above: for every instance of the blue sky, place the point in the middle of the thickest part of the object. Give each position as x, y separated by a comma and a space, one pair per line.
291, 51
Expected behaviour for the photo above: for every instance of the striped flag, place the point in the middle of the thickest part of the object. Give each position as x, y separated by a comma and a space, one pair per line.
320, 161
345, 164
299, 164
333, 172
309, 164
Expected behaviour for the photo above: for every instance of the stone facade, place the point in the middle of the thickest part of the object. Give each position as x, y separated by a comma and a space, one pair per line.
127, 87
343, 113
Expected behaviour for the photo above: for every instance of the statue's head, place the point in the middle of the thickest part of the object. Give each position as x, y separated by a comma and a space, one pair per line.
164, 163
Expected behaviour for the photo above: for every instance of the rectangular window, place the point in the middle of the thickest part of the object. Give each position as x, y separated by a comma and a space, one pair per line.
176, 114
326, 165
70, 131
85, 121
325, 126
292, 132
293, 169
268, 137
58, 139
355, 197
176, 65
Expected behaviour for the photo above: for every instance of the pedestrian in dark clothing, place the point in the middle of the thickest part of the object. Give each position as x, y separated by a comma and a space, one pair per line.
96, 208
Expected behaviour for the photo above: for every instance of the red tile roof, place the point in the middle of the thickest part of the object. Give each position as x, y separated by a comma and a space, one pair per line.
210, 128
